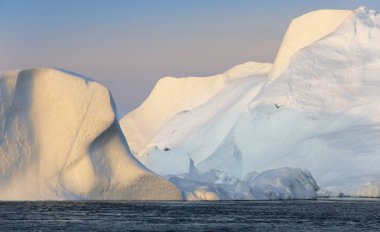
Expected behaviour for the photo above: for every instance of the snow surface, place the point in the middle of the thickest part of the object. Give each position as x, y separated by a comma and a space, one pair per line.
316, 108
60, 140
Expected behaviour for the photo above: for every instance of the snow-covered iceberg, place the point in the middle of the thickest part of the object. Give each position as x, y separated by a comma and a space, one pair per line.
59, 140
315, 108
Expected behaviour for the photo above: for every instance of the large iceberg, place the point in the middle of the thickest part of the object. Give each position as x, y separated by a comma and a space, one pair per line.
316, 108
60, 140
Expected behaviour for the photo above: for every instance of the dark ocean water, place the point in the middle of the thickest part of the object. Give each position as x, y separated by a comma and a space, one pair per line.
320, 215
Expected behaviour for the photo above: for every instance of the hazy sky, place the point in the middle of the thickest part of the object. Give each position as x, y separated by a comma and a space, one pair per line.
129, 44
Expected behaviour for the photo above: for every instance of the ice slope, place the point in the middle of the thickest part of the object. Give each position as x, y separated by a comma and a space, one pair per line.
173, 96
316, 108
60, 140
304, 31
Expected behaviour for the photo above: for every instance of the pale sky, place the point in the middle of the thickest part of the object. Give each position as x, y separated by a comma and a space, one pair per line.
127, 45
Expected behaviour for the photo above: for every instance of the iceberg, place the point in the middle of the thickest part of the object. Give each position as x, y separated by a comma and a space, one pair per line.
60, 140
316, 108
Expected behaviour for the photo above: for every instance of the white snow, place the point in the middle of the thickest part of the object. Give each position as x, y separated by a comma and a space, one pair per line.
60, 140
316, 108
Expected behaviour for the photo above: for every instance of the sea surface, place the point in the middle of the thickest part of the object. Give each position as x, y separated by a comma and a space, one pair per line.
318, 215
